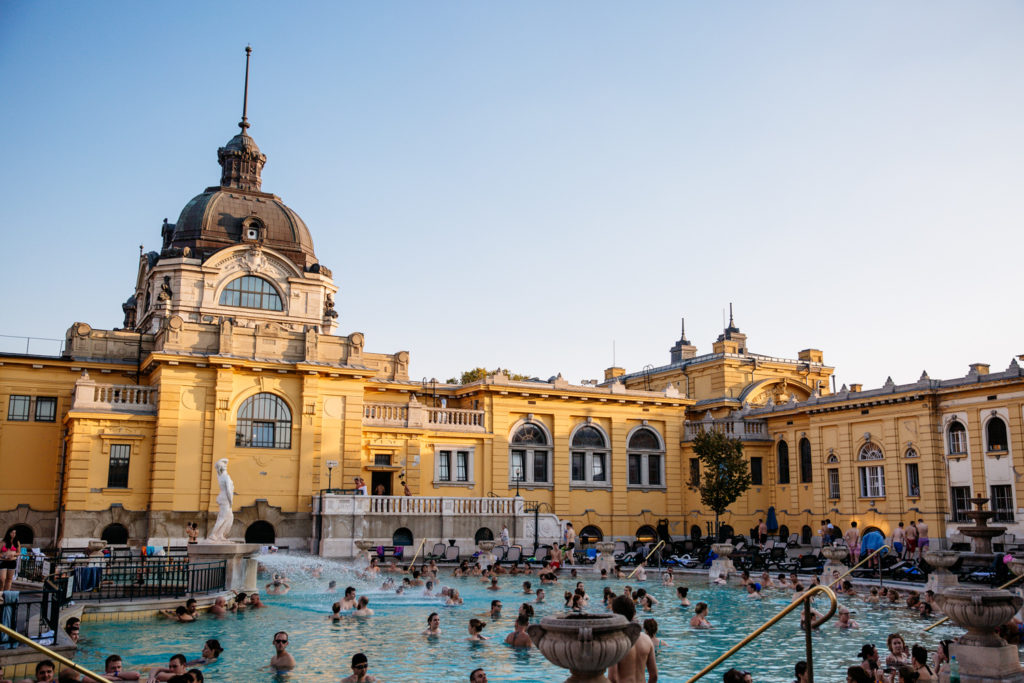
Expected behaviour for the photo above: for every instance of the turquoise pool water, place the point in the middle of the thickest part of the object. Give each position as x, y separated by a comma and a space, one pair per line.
397, 652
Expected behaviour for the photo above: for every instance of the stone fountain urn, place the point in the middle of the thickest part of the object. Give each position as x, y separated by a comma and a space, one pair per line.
982, 654
364, 550
940, 577
722, 565
1017, 567
835, 554
585, 644
606, 558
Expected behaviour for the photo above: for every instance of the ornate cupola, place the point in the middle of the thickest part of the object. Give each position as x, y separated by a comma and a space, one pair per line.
683, 349
731, 340
240, 160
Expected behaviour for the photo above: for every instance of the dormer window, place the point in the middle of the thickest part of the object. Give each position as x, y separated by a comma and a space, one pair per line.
250, 291
253, 229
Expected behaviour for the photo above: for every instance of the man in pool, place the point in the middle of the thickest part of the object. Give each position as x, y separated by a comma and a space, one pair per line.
281, 661
359, 666
349, 601
176, 667
640, 657
519, 637
219, 608
478, 676
495, 609
540, 595
113, 670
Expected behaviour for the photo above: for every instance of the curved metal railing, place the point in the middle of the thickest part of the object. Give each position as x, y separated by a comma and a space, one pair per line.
653, 550
804, 599
849, 571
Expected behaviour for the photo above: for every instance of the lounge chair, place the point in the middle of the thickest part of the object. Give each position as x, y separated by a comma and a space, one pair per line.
438, 552
451, 553
514, 554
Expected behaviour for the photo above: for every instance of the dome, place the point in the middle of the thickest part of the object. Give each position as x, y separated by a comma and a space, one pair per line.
222, 217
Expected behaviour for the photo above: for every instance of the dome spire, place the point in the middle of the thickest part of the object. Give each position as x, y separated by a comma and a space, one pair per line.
240, 160
244, 123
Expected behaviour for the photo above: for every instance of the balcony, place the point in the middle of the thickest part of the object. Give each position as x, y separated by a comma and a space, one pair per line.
744, 430
415, 415
113, 398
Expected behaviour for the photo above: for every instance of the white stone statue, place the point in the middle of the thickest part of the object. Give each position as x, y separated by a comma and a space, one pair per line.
225, 517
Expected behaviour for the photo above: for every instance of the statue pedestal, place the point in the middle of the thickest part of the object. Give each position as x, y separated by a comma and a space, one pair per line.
239, 558
985, 664
722, 566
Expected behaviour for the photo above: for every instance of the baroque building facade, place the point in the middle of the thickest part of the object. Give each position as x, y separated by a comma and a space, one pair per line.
230, 348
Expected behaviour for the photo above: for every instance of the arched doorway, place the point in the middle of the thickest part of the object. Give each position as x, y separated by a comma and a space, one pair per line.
591, 534
783, 532
482, 534
260, 532
401, 537
23, 534
115, 534
695, 533
647, 534
805, 535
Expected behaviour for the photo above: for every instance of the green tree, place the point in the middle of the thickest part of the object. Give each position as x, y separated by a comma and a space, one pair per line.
476, 374
726, 474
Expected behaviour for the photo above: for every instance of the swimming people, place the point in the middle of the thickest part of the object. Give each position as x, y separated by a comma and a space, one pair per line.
700, 616
519, 637
433, 625
475, 628
361, 608
281, 660
359, 670
631, 668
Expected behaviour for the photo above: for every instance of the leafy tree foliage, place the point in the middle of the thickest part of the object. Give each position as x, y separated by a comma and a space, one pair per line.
476, 374
726, 475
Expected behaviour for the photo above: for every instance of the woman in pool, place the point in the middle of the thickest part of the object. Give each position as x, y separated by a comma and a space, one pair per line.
211, 651
433, 625
898, 654
855, 674
919, 660
869, 661
475, 628
700, 616
667, 579
453, 599
651, 629
682, 592
941, 656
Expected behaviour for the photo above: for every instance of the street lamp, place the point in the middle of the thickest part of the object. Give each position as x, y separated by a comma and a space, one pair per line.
518, 472
331, 464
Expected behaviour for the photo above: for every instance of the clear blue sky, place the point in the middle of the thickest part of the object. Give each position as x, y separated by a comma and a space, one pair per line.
521, 183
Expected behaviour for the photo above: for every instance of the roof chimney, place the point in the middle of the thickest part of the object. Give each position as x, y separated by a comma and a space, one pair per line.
979, 369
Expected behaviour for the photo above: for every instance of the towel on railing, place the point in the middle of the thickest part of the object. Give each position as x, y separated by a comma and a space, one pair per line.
8, 617
87, 578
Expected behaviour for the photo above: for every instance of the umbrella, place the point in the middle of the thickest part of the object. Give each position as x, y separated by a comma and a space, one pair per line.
772, 522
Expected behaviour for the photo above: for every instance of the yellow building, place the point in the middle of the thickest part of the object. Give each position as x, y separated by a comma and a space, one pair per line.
230, 349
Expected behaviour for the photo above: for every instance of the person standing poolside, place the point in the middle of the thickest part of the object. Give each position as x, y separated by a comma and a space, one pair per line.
570, 544
504, 534
762, 532
898, 538
9, 549
912, 534
281, 661
640, 657
852, 538
478, 676
922, 538
359, 667
519, 637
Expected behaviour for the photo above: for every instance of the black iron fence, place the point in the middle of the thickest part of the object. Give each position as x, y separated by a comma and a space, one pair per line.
34, 614
158, 577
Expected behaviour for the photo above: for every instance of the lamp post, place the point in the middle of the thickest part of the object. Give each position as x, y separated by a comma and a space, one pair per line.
331, 464
518, 471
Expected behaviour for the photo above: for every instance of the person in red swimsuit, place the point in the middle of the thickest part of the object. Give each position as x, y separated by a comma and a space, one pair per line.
9, 549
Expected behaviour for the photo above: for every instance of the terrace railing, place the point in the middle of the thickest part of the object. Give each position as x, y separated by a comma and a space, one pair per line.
142, 579
35, 614
415, 415
744, 430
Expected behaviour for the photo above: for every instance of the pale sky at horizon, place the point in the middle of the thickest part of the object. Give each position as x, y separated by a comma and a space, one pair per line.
520, 184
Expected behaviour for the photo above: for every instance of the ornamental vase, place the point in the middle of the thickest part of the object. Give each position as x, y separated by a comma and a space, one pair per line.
585, 644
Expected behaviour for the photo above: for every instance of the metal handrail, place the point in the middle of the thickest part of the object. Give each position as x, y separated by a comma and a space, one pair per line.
803, 598
862, 561
417, 554
50, 653
1009, 583
653, 550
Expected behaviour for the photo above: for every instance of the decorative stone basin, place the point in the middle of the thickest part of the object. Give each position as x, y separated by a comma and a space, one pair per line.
1017, 567
723, 550
486, 546
835, 553
606, 559
940, 578
364, 549
980, 611
721, 566
585, 644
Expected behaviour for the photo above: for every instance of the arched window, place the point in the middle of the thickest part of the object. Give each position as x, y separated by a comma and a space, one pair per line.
260, 532
647, 534
872, 477
115, 534
995, 435
783, 453
805, 461
956, 438
264, 421
250, 291
645, 456
483, 534
589, 457
402, 536
591, 534
529, 456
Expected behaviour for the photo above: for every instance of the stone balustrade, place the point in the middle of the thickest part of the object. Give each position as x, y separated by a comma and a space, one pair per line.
415, 415
745, 430
348, 520
118, 398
